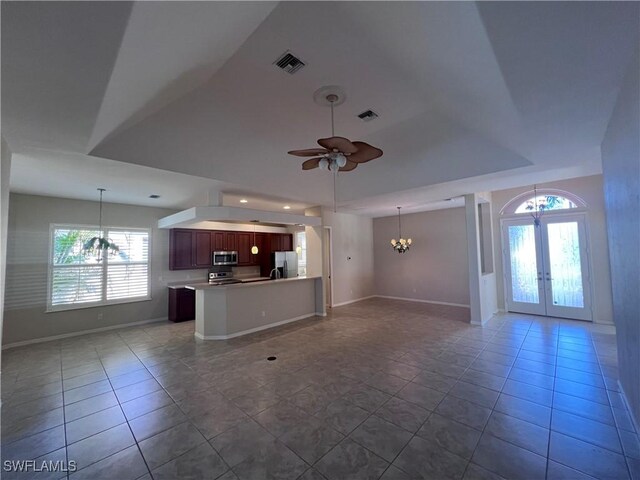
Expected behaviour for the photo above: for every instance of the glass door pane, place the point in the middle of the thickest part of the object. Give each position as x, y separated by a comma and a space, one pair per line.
524, 270
564, 265
523, 267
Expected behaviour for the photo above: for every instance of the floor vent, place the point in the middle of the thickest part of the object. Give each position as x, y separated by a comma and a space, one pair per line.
289, 63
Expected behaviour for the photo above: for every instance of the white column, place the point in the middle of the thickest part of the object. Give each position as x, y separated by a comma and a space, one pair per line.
482, 286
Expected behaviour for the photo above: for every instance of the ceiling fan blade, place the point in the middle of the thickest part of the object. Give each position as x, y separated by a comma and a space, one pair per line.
341, 144
308, 152
349, 166
365, 153
311, 163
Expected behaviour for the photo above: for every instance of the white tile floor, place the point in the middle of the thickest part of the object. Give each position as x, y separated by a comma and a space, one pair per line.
379, 389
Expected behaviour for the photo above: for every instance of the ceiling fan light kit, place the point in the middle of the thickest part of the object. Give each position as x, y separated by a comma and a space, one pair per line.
337, 153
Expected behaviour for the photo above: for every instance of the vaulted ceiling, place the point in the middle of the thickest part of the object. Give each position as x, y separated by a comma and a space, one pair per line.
470, 96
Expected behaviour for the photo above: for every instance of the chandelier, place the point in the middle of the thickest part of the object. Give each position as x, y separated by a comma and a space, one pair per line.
536, 207
401, 245
99, 246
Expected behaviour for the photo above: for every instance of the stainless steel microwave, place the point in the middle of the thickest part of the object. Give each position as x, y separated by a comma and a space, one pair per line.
224, 258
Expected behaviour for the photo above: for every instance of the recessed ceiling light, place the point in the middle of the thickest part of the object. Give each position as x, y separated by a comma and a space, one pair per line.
286, 207
243, 200
154, 196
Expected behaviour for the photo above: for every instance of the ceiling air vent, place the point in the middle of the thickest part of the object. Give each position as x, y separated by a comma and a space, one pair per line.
289, 63
368, 115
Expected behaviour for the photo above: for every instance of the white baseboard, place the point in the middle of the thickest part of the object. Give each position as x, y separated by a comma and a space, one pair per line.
636, 422
82, 332
423, 301
253, 330
352, 301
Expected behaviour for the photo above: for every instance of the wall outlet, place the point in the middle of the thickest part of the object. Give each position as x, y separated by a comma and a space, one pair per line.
100, 316
264, 314
414, 290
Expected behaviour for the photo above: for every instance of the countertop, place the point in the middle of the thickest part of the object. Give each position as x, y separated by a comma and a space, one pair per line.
184, 283
245, 283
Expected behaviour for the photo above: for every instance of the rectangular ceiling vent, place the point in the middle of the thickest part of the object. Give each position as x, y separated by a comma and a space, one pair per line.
289, 63
368, 115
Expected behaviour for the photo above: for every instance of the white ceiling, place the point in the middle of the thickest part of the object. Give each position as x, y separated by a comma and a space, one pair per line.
183, 96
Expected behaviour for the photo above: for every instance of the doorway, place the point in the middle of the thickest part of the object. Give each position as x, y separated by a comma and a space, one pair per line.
546, 266
327, 267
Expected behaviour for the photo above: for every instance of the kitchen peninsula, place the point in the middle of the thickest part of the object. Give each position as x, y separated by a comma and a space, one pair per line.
228, 311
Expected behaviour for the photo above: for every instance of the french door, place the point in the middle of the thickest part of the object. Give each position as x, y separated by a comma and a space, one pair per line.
546, 267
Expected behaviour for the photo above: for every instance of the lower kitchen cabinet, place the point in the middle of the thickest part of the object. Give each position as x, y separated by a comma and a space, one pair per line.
182, 304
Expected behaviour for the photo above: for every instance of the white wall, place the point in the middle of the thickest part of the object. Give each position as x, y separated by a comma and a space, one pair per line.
27, 267
621, 169
590, 190
352, 252
5, 170
435, 268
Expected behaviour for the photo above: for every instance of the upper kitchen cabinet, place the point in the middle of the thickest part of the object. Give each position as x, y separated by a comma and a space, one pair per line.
189, 249
231, 241
218, 241
287, 242
280, 242
202, 248
275, 243
180, 249
244, 248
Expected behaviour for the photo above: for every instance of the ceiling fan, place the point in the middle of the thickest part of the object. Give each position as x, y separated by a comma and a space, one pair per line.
337, 153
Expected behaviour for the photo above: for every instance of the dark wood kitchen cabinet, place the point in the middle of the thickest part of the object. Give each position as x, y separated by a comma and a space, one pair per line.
280, 242
231, 241
191, 249
202, 248
244, 248
275, 244
218, 240
286, 242
182, 304
180, 249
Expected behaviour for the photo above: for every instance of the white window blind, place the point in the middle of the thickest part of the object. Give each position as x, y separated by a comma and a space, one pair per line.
78, 280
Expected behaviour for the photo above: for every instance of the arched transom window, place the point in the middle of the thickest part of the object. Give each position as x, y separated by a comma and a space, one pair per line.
543, 199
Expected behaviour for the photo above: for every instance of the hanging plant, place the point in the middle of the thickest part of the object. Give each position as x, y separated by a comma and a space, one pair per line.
99, 246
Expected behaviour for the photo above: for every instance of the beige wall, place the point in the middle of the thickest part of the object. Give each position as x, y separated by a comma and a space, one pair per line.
590, 190
27, 267
435, 268
621, 167
352, 253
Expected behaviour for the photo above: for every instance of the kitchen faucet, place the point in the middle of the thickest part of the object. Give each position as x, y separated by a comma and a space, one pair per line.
277, 273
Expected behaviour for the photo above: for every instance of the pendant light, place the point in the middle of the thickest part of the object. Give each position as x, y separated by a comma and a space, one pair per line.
401, 245
254, 248
536, 207
99, 245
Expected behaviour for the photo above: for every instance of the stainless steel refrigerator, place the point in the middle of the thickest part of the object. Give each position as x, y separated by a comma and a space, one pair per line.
286, 263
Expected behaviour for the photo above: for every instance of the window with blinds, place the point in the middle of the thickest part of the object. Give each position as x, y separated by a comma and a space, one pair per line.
82, 280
